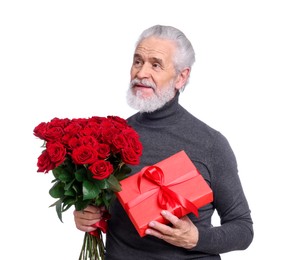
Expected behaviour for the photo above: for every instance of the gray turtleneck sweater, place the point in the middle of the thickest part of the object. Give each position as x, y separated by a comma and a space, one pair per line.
164, 133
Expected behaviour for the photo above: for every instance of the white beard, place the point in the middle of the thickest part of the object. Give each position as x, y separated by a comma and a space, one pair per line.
152, 103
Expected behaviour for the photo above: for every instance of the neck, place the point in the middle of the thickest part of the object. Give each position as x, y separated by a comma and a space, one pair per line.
165, 115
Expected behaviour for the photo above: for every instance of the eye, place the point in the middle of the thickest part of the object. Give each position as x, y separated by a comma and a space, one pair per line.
137, 63
157, 66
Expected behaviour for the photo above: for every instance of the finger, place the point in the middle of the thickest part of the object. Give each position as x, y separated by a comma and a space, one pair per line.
154, 232
171, 218
159, 230
162, 228
85, 228
92, 209
85, 221
86, 218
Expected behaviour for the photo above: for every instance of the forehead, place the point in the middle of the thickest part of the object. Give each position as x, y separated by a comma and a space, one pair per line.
156, 48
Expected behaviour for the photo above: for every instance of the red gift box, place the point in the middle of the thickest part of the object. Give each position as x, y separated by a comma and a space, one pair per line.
173, 184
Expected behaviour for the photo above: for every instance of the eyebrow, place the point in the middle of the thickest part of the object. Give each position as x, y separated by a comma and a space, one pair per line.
137, 56
153, 59
160, 61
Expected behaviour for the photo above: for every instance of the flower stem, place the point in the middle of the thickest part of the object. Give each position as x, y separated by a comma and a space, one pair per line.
93, 247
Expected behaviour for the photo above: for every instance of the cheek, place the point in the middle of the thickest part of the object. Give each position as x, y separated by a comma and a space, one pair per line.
161, 83
132, 73
166, 81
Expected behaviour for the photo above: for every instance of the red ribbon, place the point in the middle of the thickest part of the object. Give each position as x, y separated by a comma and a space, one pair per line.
166, 197
102, 224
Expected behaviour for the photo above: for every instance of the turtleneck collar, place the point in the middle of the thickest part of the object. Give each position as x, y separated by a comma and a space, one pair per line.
166, 115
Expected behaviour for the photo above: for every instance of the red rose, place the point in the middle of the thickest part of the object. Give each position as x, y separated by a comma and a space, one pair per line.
84, 155
73, 128
95, 130
119, 142
118, 122
93, 124
40, 130
97, 119
54, 133
74, 142
81, 121
135, 144
86, 131
57, 122
108, 134
57, 152
133, 141
101, 169
130, 132
129, 156
103, 151
44, 162
96, 133
89, 140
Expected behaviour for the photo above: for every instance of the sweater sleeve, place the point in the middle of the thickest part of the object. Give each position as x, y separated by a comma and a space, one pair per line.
236, 229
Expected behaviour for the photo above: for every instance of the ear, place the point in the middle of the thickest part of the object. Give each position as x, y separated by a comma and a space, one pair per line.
182, 78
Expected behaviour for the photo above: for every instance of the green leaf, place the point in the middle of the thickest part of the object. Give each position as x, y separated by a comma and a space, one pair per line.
81, 204
57, 171
99, 201
77, 187
122, 172
58, 205
107, 197
57, 190
70, 166
54, 180
90, 190
125, 169
59, 209
102, 184
70, 193
69, 185
67, 203
114, 183
81, 175
63, 172
66, 176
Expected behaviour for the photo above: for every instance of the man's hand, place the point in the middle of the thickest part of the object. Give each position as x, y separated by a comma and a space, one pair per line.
182, 233
86, 218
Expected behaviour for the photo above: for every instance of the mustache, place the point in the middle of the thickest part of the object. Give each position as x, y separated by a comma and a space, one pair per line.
144, 82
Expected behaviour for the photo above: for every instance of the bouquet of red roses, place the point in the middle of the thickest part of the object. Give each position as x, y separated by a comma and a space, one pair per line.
88, 157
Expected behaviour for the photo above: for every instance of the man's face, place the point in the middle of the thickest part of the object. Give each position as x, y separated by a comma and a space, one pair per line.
153, 75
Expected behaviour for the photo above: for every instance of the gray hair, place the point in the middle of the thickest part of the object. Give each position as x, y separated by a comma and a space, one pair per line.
184, 56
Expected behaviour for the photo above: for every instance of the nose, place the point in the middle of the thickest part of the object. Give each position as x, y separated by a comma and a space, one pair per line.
143, 71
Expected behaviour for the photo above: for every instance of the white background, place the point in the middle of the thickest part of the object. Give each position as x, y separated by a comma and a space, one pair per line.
72, 59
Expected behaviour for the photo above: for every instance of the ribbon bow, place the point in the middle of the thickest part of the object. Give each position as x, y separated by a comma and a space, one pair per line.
167, 198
